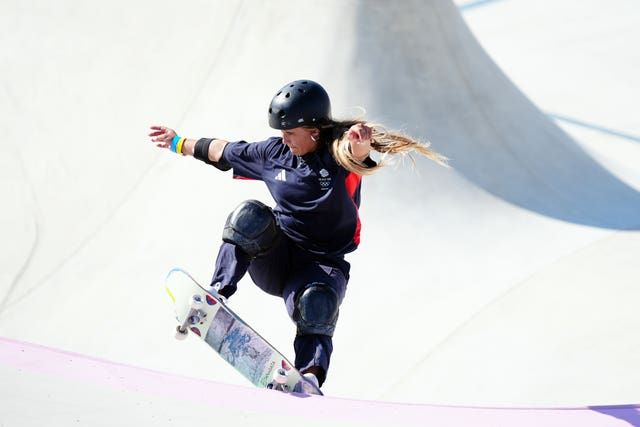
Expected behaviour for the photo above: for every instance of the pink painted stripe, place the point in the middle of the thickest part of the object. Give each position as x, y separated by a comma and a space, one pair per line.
35, 358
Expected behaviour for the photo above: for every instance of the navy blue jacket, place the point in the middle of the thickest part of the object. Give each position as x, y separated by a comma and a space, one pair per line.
317, 200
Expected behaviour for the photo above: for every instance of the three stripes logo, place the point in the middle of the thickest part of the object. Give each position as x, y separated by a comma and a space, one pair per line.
281, 176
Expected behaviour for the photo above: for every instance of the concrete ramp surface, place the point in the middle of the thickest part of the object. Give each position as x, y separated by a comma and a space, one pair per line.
510, 279
88, 389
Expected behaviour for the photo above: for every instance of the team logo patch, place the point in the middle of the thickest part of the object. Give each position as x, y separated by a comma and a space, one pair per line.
325, 179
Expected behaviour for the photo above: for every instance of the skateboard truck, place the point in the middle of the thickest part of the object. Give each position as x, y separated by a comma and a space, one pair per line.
279, 381
196, 315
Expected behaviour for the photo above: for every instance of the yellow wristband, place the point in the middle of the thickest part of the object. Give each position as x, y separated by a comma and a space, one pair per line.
179, 146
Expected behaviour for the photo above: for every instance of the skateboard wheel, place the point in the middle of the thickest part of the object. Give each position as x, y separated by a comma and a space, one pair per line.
181, 333
280, 376
196, 301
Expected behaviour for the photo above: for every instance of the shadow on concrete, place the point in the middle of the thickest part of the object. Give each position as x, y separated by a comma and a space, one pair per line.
496, 138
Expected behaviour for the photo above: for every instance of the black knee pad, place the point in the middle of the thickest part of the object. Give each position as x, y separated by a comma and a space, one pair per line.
317, 309
252, 226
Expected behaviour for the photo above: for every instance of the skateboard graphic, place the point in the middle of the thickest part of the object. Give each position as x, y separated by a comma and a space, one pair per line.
203, 313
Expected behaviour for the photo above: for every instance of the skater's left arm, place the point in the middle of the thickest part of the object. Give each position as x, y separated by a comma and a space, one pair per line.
360, 141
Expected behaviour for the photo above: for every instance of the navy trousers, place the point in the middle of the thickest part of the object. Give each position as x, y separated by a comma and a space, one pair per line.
284, 271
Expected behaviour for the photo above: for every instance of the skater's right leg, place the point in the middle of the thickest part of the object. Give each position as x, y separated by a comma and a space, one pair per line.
231, 265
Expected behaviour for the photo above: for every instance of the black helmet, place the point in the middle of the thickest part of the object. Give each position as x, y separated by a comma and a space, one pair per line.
300, 103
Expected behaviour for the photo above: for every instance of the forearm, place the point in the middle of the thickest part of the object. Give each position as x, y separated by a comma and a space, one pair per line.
359, 151
209, 150
359, 136
215, 151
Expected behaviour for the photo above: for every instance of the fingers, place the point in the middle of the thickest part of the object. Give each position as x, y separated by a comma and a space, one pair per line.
365, 133
360, 133
162, 136
157, 130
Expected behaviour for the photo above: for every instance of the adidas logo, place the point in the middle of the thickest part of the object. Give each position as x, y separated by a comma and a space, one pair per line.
281, 176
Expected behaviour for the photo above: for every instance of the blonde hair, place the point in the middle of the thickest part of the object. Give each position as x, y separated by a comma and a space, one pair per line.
383, 141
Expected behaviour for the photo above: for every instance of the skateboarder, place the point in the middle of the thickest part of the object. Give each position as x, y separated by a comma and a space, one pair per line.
296, 250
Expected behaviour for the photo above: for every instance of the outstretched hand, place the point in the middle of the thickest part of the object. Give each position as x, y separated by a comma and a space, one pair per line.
162, 136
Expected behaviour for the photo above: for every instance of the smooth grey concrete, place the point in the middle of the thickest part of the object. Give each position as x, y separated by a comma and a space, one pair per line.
506, 280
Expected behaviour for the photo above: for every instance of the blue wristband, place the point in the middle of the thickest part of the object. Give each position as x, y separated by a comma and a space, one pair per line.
174, 143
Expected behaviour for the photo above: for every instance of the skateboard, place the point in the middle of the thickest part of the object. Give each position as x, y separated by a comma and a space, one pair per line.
204, 313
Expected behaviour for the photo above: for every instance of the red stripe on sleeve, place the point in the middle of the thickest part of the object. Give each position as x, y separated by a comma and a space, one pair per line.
352, 182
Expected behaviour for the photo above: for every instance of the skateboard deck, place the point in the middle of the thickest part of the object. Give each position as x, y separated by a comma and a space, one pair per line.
203, 313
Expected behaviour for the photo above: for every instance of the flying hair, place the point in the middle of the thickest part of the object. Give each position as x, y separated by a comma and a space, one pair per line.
385, 142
